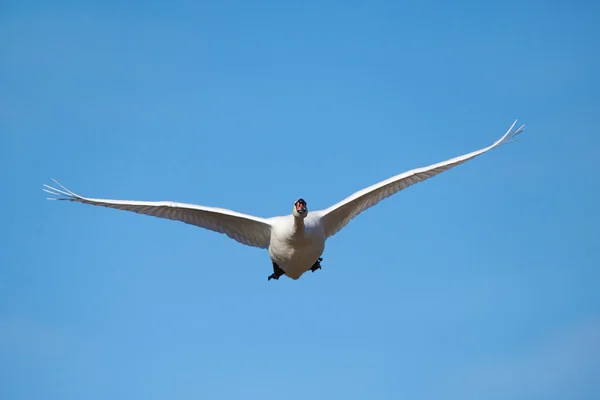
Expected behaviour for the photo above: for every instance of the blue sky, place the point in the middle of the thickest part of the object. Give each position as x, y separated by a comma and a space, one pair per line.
480, 283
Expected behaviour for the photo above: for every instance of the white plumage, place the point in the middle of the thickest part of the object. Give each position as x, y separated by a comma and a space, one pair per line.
296, 241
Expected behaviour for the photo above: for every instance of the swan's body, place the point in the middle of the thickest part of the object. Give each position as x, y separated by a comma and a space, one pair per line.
295, 242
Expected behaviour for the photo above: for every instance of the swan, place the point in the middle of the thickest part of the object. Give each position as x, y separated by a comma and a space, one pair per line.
295, 242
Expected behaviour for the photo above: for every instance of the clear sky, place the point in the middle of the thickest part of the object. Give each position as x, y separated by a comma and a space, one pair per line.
480, 283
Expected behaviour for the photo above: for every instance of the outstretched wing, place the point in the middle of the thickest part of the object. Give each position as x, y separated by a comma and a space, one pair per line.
246, 229
339, 215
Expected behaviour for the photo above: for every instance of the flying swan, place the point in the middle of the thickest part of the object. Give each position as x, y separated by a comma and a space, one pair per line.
295, 242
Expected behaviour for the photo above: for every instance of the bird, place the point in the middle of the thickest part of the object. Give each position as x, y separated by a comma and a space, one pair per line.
295, 242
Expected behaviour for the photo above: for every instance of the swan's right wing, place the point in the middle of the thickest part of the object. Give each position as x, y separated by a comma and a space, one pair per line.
339, 215
246, 229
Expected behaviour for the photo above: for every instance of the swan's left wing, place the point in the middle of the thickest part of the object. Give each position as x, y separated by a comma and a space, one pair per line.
245, 229
339, 215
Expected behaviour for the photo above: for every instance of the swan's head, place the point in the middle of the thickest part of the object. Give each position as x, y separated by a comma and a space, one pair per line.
300, 210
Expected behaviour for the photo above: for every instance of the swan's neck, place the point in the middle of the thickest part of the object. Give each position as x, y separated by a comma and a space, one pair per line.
298, 225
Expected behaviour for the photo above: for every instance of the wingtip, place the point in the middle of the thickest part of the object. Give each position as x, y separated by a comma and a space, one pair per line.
64, 189
511, 134
520, 128
61, 194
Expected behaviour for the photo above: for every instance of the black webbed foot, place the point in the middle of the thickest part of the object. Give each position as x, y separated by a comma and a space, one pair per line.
277, 272
316, 265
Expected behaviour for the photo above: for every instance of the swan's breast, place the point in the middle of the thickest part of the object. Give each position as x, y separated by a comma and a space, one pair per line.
295, 251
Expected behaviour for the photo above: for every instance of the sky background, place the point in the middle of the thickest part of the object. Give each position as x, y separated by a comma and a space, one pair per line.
482, 282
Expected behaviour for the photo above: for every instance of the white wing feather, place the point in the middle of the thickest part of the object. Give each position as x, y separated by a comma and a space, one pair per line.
339, 215
246, 229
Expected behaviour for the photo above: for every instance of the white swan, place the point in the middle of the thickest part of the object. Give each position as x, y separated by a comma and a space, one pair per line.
295, 242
